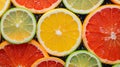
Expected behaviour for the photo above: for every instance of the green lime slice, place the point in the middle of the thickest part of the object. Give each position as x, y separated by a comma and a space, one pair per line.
18, 25
116, 65
82, 58
82, 6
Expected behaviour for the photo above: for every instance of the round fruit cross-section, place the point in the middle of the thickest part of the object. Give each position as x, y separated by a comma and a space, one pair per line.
20, 55
101, 33
59, 31
37, 6
4, 4
48, 62
82, 58
18, 25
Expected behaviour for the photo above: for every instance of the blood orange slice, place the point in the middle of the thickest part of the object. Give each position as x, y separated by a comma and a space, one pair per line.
49, 62
22, 55
37, 6
101, 33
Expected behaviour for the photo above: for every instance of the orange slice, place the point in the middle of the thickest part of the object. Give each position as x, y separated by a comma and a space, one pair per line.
4, 5
116, 1
49, 62
21, 55
59, 31
37, 6
101, 33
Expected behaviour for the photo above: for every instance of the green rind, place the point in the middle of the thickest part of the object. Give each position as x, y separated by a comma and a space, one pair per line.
82, 51
81, 11
116, 65
27, 39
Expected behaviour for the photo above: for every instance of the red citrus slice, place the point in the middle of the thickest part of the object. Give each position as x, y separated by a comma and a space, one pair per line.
49, 62
22, 55
37, 6
101, 33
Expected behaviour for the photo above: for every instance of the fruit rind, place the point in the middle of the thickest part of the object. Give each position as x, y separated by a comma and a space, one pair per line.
84, 30
7, 4
79, 28
26, 39
47, 58
79, 52
82, 11
38, 11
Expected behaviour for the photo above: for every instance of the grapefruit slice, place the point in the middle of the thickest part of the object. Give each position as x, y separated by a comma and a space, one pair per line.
82, 58
116, 1
101, 33
20, 55
37, 6
18, 26
48, 62
59, 31
4, 5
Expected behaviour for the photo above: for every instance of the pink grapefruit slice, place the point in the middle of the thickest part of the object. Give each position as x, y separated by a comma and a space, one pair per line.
20, 55
37, 6
49, 62
101, 33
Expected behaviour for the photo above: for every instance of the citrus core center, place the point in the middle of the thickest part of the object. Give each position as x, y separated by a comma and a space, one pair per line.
58, 32
113, 36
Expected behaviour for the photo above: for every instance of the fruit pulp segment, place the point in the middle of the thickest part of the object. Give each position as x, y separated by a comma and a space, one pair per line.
2, 4
103, 33
59, 30
77, 4
83, 60
18, 23
36, 4
50, 63
19, 55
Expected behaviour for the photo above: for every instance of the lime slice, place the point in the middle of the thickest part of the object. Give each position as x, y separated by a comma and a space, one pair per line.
82, 59
82, 6
18, 26
116, 65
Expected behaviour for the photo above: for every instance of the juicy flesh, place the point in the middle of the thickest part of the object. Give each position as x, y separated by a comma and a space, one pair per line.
103, 33
36, 4
22, 55
82, 4
18, 23
2, 4
50, 63
83, 60
59, 31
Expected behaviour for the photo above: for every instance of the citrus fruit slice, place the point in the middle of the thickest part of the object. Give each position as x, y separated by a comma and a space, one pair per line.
101, 33
21, 55
48, 62
82, 58
116, 1
82, 6
37, 6
18, 25
4, 5
59, 31
116, 65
